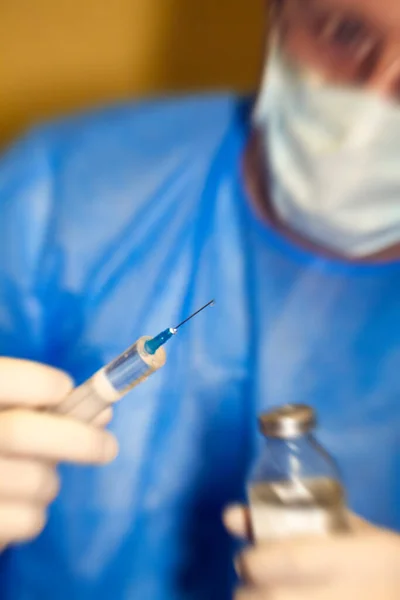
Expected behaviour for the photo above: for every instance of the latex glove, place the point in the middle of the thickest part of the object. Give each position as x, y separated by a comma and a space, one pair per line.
32, 442
362, 564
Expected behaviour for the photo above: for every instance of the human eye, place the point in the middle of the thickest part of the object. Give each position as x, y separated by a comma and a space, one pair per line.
345, 35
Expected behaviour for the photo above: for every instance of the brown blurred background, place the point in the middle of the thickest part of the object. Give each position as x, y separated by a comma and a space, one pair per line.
57, 56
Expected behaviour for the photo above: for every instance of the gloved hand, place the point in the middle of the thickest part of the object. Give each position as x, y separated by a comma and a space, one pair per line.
362, 564
32, 442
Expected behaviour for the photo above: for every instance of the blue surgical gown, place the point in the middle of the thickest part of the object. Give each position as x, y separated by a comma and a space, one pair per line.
120, 223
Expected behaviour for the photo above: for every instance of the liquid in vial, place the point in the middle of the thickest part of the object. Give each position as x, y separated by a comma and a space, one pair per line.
282, 509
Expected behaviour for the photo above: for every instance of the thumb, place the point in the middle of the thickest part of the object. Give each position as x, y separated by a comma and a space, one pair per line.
30, 384
358, 524
236, 519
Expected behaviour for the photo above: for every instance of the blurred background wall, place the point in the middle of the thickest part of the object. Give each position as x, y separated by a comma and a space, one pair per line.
57, 56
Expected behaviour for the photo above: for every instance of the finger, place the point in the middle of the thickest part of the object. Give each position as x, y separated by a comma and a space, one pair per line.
281, 593
298, 593
54, 438
358, 524
20, 522
314, 560
255, 567
380, 590
104, 418
245, 593
26, 383
27, 480
236, 519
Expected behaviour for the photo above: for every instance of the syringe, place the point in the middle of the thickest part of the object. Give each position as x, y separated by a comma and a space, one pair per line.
116, 379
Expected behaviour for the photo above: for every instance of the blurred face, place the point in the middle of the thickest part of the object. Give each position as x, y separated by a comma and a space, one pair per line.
354, 42
330, 147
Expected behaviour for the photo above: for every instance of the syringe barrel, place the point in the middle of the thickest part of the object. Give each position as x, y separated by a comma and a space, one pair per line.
112, 382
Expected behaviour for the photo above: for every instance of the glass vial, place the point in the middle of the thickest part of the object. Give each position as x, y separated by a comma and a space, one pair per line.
294, 488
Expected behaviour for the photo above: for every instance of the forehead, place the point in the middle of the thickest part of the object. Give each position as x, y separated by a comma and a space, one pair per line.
383, 13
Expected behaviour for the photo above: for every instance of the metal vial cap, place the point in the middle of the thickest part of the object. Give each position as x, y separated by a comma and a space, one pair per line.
288, 421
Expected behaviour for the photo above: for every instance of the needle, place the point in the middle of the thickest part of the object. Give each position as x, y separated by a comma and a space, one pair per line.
151, 346
211, 303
